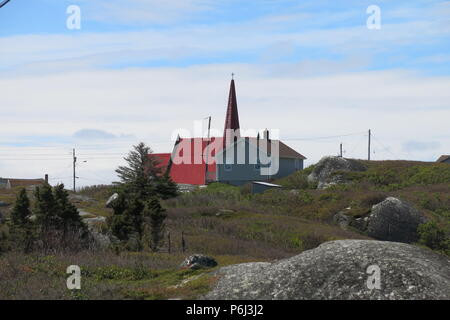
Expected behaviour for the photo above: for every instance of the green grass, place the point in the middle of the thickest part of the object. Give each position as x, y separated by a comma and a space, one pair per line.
231, 225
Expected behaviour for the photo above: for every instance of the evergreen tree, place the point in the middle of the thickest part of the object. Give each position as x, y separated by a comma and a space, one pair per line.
166, 187
143, 177
57, 219
156, 216
127, 222
69, 217
141, 173
141, 183
21, 210
45, 209
21, 229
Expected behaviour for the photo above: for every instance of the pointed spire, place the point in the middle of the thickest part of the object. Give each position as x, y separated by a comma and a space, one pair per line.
232, 117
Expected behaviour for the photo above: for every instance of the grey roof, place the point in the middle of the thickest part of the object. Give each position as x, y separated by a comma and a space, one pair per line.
443, 158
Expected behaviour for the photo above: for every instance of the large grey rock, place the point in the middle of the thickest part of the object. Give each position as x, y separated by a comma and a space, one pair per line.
198, 261
394, 220
324, 173
339, 270
111, 200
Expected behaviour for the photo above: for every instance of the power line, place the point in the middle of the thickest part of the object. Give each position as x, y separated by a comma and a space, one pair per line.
327, 137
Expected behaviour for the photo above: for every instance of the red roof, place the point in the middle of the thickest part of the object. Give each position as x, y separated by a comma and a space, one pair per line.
188, 165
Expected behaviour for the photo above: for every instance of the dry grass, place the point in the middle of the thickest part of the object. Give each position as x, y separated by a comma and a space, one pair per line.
227, 223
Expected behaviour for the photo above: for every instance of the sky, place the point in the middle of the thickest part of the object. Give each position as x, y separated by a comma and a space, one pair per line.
145, 70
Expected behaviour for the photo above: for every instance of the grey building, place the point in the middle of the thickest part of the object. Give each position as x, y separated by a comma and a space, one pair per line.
254, 159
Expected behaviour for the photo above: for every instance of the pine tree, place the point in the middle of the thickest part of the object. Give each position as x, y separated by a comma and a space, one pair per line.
156, 216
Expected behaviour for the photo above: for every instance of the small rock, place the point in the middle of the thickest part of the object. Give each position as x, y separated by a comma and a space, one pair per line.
111, 200
80, 198
84, 213
224, 212
198, 261
342, 220
3, 204
97, 219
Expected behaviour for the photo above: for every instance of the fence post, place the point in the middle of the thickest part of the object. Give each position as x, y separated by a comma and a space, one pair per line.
168, 239
183, 242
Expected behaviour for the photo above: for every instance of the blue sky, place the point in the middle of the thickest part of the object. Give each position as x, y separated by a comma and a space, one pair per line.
140, 69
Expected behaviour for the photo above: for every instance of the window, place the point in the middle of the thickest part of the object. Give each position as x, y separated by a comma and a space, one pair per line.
228, 167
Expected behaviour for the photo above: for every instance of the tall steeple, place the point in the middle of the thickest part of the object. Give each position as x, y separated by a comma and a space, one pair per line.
231, 129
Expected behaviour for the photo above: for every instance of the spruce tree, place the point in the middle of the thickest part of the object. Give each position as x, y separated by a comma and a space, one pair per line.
127, 222
143, 177
57, 218
21, 210
21, 229
69, 217
166, 187
141, 173
45, 209
156, 216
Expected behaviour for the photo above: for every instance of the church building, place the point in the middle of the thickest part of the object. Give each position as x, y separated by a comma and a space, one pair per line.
231, 158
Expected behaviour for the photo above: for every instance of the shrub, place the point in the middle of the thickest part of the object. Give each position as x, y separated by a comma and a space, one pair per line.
434, 237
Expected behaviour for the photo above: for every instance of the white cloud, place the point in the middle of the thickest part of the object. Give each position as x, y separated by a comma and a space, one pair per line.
150, 103
47, 53
143, 11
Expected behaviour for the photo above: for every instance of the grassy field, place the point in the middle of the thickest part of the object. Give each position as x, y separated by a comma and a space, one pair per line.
229, 224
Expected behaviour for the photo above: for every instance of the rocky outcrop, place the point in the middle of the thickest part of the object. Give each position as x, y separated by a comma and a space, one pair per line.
390, 220
345, 269
394, 220
110, 202
198, 261
324, 173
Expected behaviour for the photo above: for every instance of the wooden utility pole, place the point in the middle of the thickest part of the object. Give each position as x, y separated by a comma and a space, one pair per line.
370, 136
74, 176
